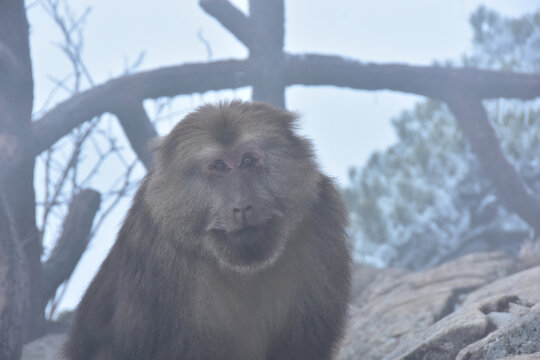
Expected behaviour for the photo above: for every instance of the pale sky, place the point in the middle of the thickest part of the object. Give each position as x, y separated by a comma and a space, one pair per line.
345, 126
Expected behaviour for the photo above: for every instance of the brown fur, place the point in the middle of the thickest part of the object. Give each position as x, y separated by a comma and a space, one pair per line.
246, 259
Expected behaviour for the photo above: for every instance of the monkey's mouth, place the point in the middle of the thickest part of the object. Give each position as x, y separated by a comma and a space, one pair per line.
248, 245
246, 234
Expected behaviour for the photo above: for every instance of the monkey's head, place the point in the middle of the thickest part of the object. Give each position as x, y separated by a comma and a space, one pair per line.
232, 182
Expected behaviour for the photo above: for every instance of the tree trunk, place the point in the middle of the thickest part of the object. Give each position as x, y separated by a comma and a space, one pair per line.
13, 289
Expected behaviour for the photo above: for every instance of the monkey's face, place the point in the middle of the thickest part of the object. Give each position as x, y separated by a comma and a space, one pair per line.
233, 181
243, 212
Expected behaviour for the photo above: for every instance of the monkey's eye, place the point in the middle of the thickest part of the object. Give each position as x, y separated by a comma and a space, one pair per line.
219, 166
248, 161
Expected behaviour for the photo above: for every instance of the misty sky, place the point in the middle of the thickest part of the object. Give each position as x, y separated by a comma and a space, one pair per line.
346, 126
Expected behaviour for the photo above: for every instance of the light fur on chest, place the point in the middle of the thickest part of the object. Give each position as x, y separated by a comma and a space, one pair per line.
246, 313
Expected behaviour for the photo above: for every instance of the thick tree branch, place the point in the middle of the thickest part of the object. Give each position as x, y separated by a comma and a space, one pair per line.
300, 70
170, 81
14, 288
266, 53
138, 129
268, 19
434, 82
72, 243
231, 18
473, 120
16, 99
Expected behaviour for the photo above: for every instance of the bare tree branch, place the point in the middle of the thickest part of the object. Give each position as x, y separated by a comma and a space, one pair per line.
266, 53
138, 129
169, 81
231, 18
473, 120
434, 82
51, 200
206, 44
72, 243
71, 27
116, 195
301, 70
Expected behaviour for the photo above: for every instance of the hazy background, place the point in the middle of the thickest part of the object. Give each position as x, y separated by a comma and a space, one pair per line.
345, 125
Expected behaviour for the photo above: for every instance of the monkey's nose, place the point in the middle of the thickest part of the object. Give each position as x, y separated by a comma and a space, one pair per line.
242, 215
242, 211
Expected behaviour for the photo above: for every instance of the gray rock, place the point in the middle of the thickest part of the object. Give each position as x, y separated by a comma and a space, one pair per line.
363, 276
500, 319
525, 284
535, 356
445, 338
397, 306
521, 336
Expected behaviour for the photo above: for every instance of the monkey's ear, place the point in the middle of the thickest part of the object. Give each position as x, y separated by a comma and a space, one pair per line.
290, 119
155, 144
163, 148
156, 147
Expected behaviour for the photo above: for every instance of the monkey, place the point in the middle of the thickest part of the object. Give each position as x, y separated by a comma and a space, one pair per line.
235, 247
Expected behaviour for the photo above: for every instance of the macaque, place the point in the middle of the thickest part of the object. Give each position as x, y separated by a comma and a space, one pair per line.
235, 247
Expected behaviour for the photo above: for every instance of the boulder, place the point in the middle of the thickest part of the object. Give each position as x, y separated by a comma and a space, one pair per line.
525, 283
447, 337
397, 306
535, 356
520, 336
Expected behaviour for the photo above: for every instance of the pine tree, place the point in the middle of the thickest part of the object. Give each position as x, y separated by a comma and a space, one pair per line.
425, 200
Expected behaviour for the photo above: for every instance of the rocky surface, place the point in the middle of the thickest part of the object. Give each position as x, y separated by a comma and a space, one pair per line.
445, 338
535, 356
397, 307
490, 313
525, 283
520, 336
